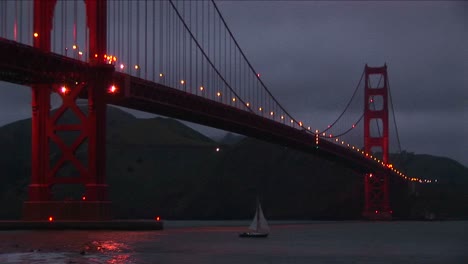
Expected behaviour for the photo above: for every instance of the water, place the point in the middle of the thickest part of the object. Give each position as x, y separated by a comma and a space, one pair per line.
218, 242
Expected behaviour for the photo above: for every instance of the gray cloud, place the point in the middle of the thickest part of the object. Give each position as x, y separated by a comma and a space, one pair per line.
311, 55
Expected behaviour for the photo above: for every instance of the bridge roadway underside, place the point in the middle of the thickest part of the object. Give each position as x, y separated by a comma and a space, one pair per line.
159, 99
26, 65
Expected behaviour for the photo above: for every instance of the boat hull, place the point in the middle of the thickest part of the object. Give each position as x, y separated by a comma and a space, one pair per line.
253, 234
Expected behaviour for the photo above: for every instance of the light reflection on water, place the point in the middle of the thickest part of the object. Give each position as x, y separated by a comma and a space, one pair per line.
218, 242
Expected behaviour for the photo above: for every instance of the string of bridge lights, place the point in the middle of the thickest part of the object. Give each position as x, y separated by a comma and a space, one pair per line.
318, 136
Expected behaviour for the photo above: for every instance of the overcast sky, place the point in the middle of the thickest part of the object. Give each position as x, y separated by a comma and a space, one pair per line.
312, 53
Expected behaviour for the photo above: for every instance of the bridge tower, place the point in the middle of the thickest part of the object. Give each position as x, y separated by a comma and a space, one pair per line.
46, 128
376, 194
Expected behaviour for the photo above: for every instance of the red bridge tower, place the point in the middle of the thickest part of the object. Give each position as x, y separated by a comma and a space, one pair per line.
94, 204
376, 204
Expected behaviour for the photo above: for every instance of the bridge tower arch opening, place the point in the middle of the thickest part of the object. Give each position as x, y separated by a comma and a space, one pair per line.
88, 128
376, 185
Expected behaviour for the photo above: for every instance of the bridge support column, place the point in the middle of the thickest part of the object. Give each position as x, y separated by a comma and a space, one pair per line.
66, 166
376, 204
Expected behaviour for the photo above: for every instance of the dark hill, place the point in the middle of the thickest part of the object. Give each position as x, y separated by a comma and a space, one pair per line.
160, 166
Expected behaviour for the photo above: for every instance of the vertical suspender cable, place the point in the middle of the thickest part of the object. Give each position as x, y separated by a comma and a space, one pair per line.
394, 117
29, 15
145, 52
86, 33
112, 12
177, 45
137, 39
129, 46
177, 51
154, 42
64, 30
15, 23
74, 22
3, 17
197, 51
20, 26
65, 36
209, 51
184, 66
190, 50
118, 22
168, 41
225, 53
203, 44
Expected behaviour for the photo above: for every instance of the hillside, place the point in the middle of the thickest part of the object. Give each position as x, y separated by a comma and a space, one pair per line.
160, 166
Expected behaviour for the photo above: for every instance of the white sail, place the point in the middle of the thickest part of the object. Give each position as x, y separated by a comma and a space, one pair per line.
259, 223
262, 223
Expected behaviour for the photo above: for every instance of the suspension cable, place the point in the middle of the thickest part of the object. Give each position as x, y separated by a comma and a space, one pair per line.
394, 117
248, 62
203, 52
348, 130
347, 105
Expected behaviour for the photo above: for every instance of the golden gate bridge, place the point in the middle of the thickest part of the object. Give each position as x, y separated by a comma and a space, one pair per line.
174, 58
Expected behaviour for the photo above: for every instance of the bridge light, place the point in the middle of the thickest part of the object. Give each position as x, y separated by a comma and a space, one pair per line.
74, 47
342, 142
376, 211
95, 55
114, 58
292, 121
282, 117
218, 94
182, 82
137, 67
51, 218
336, 139
112, 89
36, 34
83, 198
370, 175
233, 99
271, 113
122, 66
258, 75
63, 90
80, 53
260, 109
161, 75
354, 125
202, 88
300, 123
217, 149
247, 104
316, 131
157, 218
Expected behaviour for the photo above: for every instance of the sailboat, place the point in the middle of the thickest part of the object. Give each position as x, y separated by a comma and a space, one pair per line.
259, 226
